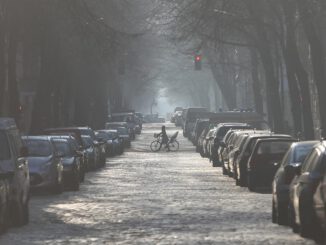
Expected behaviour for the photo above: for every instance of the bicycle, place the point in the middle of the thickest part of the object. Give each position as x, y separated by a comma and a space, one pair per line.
173, 144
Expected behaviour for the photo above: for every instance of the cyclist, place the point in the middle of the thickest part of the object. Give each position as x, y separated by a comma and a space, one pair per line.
165, 138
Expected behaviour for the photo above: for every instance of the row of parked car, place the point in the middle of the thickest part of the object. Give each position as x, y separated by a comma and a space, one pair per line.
295, 171
53, 162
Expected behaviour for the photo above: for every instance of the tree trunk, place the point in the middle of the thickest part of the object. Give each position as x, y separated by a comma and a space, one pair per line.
258, 99
317, 57
297, 76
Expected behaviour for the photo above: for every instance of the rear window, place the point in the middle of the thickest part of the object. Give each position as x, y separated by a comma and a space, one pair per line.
301, 152
4, 149
38, 148
63, 147
273, 147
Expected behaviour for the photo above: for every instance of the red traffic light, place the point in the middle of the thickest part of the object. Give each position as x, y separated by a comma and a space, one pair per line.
197, 57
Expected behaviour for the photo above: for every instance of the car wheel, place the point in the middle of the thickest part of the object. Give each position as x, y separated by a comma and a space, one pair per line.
75, 183
282, 216
251, 184
3, 218
225, 172
58, 187
306, 227
26, 212
17, 214
293, 225
242, 179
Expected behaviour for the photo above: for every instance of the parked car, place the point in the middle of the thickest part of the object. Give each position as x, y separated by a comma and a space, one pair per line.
234, 153
201, 139
92, 153
116, 125
123, 134
241, 163
70, 162
302, 216
45, 164
76, 133
222, 129
114, 144
190, 117
209, 136
200, 125
80, 156
14, 176
283, 178
98, 145
264, 161
319, 206
129, 119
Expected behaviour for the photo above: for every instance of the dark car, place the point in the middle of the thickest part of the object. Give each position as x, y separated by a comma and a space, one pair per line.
190, 117
91, 151
283, 177
319, 206
116, 125
240, 164
14, 175
302, 216
114, 144
123, 134
200, 125
201, 141
77, 135
221, 131
263, 162
45, 165
81, 155
70, 162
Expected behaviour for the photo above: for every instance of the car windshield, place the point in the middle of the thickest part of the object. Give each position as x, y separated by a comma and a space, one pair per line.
113, 135
273, 147
87, 141
88, 132
122, 131
301, 152
38, 148
4, 149
63, 148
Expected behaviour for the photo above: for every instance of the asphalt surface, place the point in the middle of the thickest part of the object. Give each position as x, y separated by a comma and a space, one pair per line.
153, 198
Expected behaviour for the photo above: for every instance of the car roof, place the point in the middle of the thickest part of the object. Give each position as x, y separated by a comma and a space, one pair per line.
275, 139
7, 123
37, 137
66, 128
60, 140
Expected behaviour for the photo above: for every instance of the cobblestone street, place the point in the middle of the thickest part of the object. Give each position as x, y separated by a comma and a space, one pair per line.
153, 198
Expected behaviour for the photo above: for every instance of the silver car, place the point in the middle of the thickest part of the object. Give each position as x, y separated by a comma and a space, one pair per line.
45, 164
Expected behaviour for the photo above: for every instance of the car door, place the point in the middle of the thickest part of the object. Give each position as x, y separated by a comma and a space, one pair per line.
303, 180
21, 171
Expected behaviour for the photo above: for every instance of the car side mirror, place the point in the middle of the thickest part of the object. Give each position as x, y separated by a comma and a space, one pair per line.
24, 151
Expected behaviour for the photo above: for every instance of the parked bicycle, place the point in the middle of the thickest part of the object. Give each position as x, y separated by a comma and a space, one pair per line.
172, 145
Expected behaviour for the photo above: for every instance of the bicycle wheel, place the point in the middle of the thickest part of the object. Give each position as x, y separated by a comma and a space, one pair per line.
174, 146
155, 146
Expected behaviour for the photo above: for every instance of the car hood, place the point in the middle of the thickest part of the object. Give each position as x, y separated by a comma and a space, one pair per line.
124, 136
35, 163
68, 160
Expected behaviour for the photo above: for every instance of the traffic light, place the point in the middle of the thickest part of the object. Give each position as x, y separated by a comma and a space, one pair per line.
197, 62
